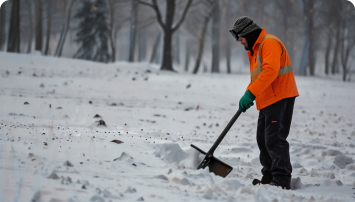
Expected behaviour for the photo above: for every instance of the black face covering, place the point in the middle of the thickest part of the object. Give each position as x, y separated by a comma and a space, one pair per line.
251, 39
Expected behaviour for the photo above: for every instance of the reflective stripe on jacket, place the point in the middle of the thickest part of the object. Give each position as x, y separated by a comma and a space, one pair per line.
272, 78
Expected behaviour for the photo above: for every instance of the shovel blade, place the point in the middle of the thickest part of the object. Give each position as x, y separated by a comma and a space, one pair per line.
219, 167
215, 165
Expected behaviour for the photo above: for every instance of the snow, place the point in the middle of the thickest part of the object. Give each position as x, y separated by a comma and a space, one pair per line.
52, 148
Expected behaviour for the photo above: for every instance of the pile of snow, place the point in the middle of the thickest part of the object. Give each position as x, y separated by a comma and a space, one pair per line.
171, 152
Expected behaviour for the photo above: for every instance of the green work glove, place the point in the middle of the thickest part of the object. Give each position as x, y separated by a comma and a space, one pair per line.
246, 101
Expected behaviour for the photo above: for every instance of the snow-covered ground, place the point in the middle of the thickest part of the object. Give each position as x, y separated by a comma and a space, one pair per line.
52, 148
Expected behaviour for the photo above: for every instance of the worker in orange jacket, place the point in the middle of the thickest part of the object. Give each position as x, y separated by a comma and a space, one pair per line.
273, 87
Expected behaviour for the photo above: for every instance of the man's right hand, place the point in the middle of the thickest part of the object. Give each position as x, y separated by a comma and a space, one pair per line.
246, 101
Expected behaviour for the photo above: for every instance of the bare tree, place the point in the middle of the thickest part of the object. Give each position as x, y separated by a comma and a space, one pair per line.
39, 37
336, 7
215, 37
143, 23
111, 18
142, 46
313, 26
328, 16
49, 24
13, 44
288, 23
327, 54
29, 4
227, 22
187, 55
64, 32
119, 15
2, 25
155, 48
308, 51
168, 27
202, 34
328, 33
347, 43
133, 30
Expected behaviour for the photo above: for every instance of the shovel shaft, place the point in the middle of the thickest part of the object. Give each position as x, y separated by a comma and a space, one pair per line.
223, 134
198, 149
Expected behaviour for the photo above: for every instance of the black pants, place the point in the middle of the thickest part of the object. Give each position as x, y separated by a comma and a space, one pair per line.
273, 128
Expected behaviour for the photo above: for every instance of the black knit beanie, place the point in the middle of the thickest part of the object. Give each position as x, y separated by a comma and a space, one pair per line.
246, 28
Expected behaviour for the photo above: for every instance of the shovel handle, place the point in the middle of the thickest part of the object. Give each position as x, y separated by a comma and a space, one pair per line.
225, 131
198, 149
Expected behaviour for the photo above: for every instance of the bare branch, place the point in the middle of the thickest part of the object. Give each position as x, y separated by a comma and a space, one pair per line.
154, 5
146, 3
183, 16
159, 18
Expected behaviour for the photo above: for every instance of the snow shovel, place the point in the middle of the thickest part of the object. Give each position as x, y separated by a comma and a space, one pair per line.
215, 165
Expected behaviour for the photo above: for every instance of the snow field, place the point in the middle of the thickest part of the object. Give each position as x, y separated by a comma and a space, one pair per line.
52, 148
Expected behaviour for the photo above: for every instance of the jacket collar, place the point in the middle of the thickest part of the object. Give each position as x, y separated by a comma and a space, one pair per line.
258, 41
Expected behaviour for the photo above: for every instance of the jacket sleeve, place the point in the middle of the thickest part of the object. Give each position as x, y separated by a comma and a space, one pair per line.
270, 54
248, 86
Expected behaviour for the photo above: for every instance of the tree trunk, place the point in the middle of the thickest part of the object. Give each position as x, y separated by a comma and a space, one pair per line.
142, 44
60, 41
308, 50
305, 51
30, 36
312, 52
133, 31
63, 34
291, 47
113, 49
288, 27
177, 49
112, 20
226, 19
168, 28
187, 56
201, 41
343, 53
311, 58
327, 53
2, 25
228, 58
168, 35
49, 22
155, 48
309, 10
39, 26
13, 44
167, 52
215, 38
336, 50
345, 45
345, 72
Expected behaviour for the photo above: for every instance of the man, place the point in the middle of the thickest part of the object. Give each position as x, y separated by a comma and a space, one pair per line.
274, 89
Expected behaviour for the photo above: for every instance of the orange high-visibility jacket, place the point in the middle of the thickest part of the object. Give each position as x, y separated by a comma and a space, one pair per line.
272, 78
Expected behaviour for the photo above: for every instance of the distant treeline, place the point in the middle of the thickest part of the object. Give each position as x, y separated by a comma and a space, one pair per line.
318, 34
